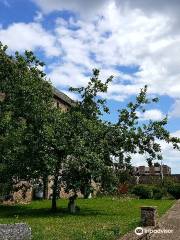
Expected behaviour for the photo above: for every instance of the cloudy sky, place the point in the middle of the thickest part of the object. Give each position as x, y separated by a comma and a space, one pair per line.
137, 41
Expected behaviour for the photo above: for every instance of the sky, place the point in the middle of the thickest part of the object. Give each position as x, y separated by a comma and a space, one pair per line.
136, 41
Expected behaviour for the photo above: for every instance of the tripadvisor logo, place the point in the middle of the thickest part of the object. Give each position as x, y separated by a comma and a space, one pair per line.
139, 231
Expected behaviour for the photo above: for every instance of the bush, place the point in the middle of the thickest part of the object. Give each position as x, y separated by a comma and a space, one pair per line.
5, 189
143, 191
168, 181
157, 193
174, 190
147, 191
123, 189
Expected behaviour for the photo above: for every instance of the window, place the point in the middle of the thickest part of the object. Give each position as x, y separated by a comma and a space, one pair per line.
57, 104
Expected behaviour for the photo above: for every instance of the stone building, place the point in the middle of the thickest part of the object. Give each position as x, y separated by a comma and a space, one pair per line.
61, 100
152, 171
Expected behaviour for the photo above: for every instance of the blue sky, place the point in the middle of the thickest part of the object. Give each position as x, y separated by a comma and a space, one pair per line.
136, 41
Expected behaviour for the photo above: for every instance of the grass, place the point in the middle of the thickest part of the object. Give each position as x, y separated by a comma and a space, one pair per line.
95, 214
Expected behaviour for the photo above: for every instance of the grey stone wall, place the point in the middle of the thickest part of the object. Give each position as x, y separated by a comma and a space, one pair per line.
18, 231
148, 216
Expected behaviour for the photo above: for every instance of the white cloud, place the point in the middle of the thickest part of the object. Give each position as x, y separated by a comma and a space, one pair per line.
107, 34
31, 36
94, 7
38, 17
67, 74
86, 8
122, 37
72, 95
171, 157
175, 111
152, 114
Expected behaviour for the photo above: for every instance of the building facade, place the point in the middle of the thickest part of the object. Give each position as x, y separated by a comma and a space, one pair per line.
61, 100
152, 171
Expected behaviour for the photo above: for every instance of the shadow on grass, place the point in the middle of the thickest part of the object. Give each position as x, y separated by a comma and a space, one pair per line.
28, 212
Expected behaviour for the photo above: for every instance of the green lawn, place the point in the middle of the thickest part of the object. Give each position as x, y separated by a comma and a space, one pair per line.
95, 214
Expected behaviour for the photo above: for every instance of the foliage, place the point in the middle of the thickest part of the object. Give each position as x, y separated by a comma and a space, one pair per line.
115, 181
27, 100
157, 192
5, 188
121, 140
174, 190
143, 191
128, 136
109, 181
124, 176
168, 182
123, 188
75, 147
156, 164
148, 191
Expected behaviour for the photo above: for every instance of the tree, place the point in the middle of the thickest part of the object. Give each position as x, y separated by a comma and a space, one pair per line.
35, 137
24, 108
128, 136
88, 142
78, 140
121, 140
156, 164
75, 147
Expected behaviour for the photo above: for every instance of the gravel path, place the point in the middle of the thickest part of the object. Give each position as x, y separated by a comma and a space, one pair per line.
170, 221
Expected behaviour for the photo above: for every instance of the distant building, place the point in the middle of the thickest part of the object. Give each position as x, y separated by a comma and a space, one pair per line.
152, 171
61, 100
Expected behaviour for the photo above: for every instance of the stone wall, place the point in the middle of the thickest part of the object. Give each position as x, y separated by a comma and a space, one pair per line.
157, 179
23, 192
20, 198
18, 231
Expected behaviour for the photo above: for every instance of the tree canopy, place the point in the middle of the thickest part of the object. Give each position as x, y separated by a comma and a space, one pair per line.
77, 146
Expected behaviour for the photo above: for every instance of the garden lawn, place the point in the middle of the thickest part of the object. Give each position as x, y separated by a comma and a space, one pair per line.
95, 214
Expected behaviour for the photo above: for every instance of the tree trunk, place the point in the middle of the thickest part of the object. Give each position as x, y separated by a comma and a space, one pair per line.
45, 187
72, 207
54, 194
55, 185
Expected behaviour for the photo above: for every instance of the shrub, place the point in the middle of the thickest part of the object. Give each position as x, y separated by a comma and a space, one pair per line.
157, 192
174, 190
143, 191
148, 191
109, 182
168, 181
123, 189
5, 188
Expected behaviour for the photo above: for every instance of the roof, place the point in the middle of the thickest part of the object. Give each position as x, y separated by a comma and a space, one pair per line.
58, 94
63, 97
